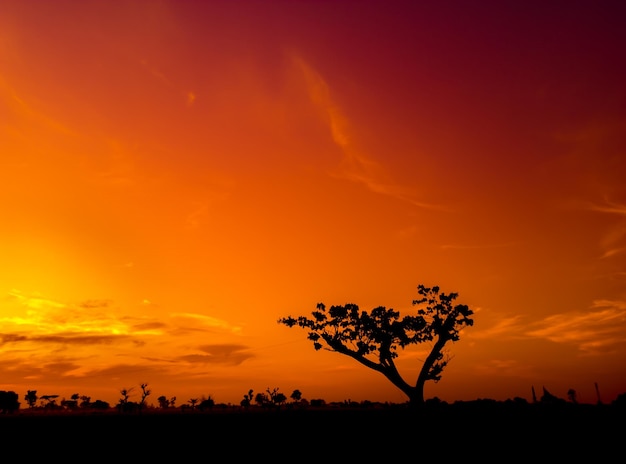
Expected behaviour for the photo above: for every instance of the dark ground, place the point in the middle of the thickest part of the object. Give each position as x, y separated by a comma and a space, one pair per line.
492, 432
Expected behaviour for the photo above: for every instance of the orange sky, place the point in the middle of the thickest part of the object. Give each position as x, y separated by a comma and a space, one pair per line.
176, 176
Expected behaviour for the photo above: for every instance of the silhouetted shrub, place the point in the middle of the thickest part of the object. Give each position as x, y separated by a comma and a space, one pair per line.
620, 401
8, 402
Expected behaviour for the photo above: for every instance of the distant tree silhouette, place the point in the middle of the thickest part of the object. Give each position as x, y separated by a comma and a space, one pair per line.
373, 338
125, 392
145, 392
85, 401
124, 405
247, 399
261, 399
100, 405
276, 398
571, 394
296, 396
164, 403
72, 403
597, 393
318, 402
31, 398
207, 403
279, 399
49, 401
9, 402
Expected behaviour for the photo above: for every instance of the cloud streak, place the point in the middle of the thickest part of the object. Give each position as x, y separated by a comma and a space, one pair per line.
230, 354
608, 207
27, 110
45, 328
596, 332
503, 328
355, 166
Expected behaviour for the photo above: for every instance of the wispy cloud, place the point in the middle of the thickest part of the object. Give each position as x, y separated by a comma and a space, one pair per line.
154, 72
232, 354
355, 166
188, 96
614, 240
45, 316
204, 321
503, 327
613, 252
34, 301
598, 331
43, 338
505, 368
613, 243
476, 247
91, 304
61, 338
40, 320
608, 207
28, 111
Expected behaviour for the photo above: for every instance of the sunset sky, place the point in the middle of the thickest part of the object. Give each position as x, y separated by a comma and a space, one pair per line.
175, 176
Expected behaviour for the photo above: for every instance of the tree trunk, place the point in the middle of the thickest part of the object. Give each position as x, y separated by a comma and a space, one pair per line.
416, 398
424, 374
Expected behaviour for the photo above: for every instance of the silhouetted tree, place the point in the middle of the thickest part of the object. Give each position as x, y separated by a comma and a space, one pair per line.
247, 399
279, 399
296, 396
270, 398
123, 404
261, 399
145, 392
85, 401
207, 403
125, 392
571, 394
9, 402
164, 403
100, 405
49, 401
72, 403
31, 398
373, 338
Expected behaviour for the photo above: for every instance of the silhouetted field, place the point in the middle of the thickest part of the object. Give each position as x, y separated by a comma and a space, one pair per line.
486, 430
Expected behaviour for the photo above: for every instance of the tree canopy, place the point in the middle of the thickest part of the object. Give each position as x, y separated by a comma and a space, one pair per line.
373, 338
